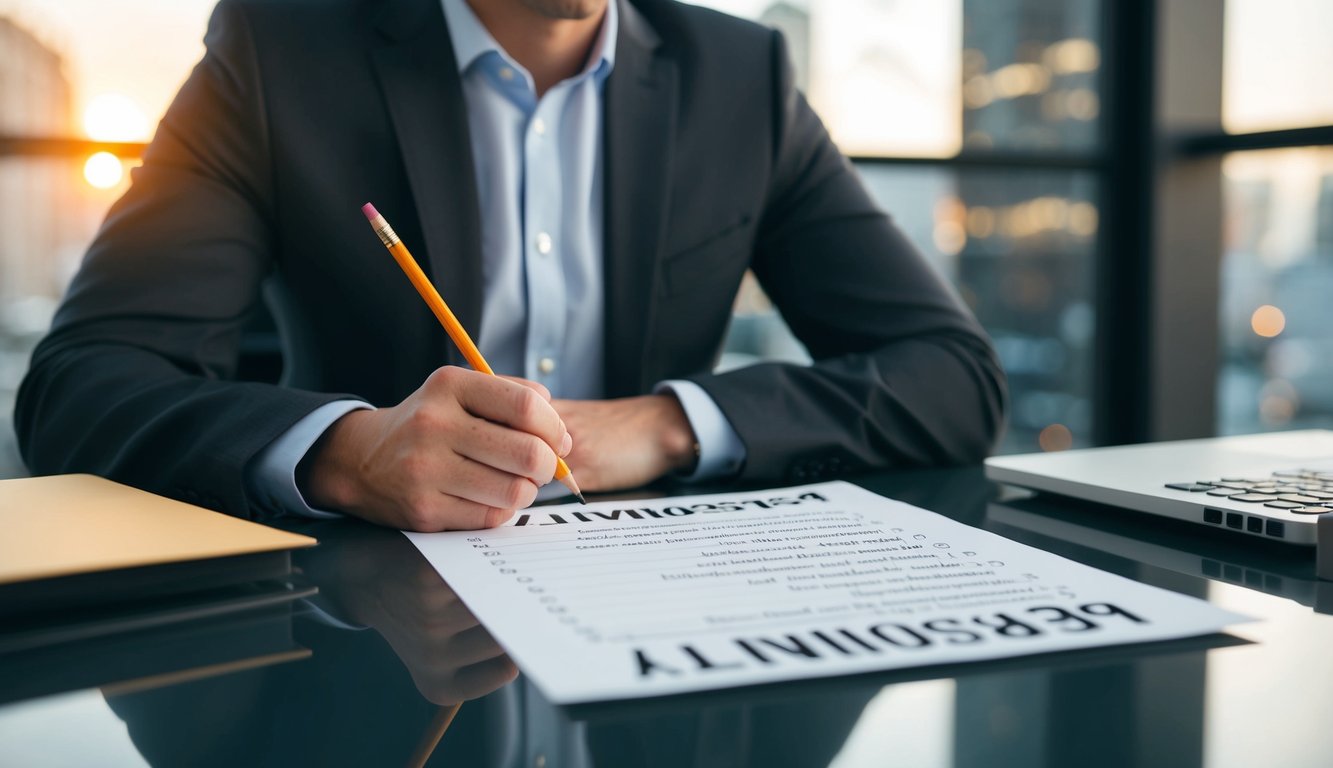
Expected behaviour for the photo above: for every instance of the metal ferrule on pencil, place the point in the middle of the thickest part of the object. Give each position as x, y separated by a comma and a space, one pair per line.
386, 233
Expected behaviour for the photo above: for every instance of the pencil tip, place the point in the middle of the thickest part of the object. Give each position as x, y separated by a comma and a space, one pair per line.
567, 480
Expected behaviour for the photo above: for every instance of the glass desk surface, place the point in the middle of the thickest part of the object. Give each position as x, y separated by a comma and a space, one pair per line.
366, 672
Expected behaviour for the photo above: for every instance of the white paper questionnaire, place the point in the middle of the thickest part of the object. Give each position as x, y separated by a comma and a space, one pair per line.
628, 599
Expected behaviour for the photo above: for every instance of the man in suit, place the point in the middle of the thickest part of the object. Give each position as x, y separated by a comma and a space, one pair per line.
586, 181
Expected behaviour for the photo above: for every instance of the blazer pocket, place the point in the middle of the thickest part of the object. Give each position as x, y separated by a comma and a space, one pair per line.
689, 267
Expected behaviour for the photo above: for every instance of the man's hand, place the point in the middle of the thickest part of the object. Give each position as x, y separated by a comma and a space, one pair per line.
628, 442
450, 656
462, 452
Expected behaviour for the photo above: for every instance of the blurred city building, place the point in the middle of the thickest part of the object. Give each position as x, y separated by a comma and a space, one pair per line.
34, 101
37, 197
1026, 239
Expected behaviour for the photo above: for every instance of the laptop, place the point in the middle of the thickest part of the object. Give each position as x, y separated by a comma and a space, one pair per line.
1274, 486
1085, 533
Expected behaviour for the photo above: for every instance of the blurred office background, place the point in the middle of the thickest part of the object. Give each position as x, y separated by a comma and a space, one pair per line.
1134, 196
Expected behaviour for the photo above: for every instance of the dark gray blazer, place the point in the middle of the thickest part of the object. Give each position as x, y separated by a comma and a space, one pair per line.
302, 110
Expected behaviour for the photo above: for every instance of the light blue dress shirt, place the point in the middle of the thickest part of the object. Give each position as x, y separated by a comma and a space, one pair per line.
539, 173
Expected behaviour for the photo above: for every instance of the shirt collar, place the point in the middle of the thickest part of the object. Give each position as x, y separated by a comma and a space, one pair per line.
471, 39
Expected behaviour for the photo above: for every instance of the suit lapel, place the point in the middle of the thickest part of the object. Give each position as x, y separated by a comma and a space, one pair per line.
639, 124
415, 62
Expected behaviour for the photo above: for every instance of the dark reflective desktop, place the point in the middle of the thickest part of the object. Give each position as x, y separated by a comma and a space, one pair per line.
366, 672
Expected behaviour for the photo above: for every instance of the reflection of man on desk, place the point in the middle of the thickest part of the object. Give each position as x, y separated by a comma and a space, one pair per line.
588, 182
392, 646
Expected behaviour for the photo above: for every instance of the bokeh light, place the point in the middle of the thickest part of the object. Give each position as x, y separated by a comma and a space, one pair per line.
113, 117
1055, 437
1077, 54
1279, 402
103, 170
1268, 321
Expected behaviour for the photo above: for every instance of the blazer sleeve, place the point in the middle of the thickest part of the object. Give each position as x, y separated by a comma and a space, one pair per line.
902, 373
134, 381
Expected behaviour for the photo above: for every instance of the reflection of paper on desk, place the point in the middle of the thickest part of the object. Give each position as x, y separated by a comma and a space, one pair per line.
628, 599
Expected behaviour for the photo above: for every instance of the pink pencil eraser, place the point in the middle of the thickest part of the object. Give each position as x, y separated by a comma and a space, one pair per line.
369, 211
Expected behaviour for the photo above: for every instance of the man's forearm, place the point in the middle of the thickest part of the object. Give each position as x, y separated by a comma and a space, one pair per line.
131, 415
918, 401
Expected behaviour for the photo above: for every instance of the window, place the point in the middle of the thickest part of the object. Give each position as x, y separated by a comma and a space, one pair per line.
976, 125
1277, 65
82, 82
1277, 277
1276, 165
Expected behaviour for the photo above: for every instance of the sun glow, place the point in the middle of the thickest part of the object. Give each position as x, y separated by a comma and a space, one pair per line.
103, 170
113, 117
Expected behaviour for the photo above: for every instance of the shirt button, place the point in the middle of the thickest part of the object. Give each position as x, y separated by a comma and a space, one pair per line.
506, 73
546, 365
539, 127
543, 243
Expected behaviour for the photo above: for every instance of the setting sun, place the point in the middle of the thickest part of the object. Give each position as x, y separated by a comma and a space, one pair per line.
113, 117
103, 170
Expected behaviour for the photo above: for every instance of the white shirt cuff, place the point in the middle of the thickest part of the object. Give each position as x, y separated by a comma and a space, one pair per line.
721, 452
272, 474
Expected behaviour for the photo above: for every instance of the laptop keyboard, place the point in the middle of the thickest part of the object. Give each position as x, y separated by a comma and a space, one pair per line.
1300, 491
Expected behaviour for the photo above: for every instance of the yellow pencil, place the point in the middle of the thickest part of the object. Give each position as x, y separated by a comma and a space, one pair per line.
446, 317
431, 739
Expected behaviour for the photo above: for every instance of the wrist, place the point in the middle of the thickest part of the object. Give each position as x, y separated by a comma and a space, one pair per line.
677, 439
327, 475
